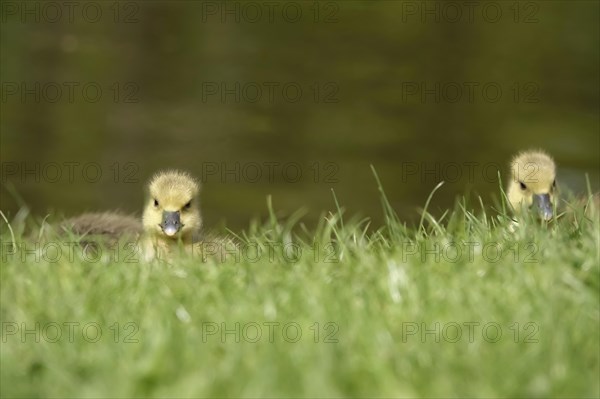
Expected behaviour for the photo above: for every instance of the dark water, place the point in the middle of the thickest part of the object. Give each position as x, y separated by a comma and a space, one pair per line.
292, 100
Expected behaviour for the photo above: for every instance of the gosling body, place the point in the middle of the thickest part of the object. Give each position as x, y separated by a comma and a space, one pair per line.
103, 227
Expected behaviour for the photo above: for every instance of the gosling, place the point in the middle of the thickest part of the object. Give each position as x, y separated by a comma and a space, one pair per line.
171, 217
533, 183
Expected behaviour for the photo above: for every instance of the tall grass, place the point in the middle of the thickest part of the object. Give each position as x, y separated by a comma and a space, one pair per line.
467, 304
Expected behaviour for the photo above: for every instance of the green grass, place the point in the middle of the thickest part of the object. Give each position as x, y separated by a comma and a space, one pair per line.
371, 291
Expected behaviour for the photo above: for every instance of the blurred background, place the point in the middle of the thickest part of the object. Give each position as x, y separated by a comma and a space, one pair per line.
292, 100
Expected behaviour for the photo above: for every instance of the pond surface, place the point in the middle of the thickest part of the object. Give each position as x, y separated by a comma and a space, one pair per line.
292, 100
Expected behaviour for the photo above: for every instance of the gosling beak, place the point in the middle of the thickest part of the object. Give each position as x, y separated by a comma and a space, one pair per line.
544, 205
171, 223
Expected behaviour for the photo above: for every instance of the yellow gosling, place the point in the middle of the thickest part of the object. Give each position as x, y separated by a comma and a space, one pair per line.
171, 216
533, 183
171, 219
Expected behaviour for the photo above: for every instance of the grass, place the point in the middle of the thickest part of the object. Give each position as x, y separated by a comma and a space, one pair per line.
468, 304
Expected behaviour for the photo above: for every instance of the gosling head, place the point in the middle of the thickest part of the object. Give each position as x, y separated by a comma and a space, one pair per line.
533, 183
172, 210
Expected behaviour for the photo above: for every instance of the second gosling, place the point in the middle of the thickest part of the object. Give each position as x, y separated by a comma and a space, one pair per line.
533, 183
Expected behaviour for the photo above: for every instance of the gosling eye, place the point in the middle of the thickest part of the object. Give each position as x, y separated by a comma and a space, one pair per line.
155, 202
523, 186
188, 205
